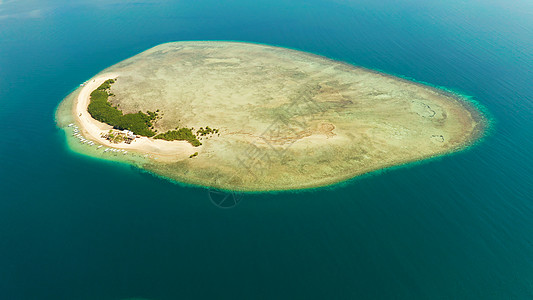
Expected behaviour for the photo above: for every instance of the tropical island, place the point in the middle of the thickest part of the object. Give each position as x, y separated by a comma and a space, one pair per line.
251, 117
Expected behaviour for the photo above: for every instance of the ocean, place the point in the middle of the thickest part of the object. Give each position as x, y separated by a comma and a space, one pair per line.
459, 226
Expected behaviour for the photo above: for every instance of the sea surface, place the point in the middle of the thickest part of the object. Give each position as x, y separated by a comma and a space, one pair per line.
457, 227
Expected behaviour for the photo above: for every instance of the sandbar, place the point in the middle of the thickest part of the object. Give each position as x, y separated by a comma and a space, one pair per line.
288, 119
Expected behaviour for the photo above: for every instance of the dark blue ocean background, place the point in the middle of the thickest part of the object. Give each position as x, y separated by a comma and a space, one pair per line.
458, 227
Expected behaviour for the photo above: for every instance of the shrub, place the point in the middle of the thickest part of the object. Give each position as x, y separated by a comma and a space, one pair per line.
101, 110
182, 134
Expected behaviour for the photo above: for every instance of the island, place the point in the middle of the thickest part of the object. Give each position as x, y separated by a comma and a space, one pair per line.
252, 117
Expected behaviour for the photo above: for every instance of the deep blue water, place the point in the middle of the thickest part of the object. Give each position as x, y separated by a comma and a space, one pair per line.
458, 227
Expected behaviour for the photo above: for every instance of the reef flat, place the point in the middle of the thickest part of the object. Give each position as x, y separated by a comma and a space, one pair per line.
283, 119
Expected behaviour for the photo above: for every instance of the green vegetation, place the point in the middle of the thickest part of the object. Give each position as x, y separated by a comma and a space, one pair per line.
101, 110
207, 130
193, 155
182, 134
139, 123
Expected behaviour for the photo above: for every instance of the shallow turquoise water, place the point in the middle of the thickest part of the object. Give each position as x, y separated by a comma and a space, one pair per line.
457, 227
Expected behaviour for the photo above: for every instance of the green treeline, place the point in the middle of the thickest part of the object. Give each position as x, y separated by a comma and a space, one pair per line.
101, 110
182, 134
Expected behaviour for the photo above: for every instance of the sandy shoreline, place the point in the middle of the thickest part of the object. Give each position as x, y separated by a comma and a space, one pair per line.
92, 129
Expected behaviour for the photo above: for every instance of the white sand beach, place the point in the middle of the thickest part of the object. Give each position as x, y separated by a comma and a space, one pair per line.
92, 129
